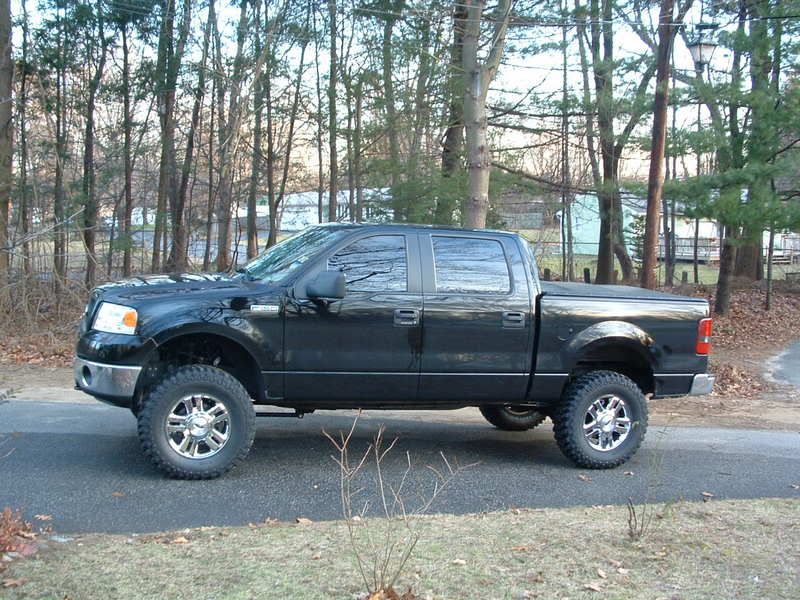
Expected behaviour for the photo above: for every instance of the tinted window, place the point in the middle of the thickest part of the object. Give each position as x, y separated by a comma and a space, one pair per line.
470, 265
374, 264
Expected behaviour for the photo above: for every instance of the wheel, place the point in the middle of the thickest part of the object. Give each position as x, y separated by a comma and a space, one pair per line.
512, 418
197, 424
601, 421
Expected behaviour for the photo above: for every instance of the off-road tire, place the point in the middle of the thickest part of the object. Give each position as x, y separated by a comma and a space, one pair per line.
502, 418
196, 379
568, 419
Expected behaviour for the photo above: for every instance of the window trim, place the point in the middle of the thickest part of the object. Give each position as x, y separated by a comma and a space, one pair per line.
511, 282
349, 243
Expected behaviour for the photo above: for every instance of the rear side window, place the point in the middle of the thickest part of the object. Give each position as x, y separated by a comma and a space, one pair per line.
374, 264
469, 265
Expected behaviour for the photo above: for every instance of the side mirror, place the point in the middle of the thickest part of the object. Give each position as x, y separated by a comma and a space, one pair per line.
327, 285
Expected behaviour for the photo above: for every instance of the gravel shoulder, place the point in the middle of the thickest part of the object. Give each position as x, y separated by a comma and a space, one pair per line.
716, 549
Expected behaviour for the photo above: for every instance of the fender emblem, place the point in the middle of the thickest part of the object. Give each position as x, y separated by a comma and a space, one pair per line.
265, 308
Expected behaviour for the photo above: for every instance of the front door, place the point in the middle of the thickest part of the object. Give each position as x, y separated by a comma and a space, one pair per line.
478, 334
364, 349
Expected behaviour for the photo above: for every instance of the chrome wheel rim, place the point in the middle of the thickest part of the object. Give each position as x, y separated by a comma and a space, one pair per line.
607, 423
198, 426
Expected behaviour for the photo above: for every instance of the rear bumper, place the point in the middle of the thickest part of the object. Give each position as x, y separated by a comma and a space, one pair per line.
702, 384
115, 384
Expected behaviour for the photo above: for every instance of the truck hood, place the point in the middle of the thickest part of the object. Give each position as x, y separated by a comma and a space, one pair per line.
148, 287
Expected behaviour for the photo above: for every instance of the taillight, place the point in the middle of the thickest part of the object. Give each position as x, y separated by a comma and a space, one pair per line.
703, 345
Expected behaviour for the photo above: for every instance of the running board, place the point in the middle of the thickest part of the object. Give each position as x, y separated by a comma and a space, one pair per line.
297, 414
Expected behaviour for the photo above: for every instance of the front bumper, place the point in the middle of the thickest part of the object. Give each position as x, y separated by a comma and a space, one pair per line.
702, 384
113, 383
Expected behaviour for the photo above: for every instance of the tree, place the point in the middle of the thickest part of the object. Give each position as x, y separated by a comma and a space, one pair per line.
478, 74
667, 29
6, 133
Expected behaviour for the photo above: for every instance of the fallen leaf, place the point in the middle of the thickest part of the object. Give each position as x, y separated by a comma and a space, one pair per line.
180, 540
459, 561
11, 583
43, 517
583, 477
601, 574
303, 521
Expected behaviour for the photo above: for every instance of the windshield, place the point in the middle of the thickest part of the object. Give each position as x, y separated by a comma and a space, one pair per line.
280, 261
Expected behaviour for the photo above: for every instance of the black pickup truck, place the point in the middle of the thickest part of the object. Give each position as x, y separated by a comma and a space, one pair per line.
386, 317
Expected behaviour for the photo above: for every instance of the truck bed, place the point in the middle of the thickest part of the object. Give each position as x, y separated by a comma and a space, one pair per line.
616, 292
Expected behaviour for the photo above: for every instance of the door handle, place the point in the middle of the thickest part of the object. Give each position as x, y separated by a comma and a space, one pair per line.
406, 317
514, 320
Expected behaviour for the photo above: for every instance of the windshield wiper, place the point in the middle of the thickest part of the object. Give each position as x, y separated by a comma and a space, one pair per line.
248, 275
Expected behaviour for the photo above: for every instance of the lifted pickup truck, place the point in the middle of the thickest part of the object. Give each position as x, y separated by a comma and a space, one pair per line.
387, 317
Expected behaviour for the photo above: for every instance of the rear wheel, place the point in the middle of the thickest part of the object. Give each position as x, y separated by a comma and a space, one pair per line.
197, 424
602, 420
512, 418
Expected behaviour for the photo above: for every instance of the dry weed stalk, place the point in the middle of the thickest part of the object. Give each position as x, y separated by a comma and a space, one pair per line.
382, 547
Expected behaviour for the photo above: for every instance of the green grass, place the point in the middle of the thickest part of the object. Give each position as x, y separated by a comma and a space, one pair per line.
726, 549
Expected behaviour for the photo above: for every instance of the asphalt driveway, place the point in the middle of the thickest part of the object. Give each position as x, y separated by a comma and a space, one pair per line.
81, 464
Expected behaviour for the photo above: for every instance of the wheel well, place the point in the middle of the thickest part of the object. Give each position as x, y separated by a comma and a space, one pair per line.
619, 358
204, 349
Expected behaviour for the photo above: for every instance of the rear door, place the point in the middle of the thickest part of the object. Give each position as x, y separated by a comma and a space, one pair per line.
364, 349
477, 333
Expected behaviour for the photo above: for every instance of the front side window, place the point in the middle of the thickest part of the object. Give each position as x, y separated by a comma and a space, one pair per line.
374, 264
470, 265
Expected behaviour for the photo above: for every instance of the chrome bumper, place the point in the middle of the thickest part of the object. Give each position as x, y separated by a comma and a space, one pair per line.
702, 384
105, 381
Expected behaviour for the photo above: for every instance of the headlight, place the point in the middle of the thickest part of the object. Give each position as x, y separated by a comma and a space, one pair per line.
115, 318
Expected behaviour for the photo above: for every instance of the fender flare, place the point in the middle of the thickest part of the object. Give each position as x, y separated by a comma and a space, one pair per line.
609, 333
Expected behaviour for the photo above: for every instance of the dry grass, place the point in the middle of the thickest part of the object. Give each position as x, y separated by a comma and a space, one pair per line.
726, 549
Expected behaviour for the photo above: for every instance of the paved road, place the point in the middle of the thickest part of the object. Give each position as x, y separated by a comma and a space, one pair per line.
786, 366
81, 464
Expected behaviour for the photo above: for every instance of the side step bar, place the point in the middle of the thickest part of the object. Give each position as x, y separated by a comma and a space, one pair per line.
297, 413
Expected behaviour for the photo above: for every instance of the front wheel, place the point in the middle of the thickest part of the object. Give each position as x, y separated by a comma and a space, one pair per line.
198, 423
601, 421
512, 418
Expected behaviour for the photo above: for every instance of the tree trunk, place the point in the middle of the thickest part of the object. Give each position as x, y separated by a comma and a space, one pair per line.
89, 175
390, 18
127, 148
178, 257
655, 184
227, 143
332, 78
478, 75
6, 134
358, 92
453, 146
256, 158
211, 196
22, 118
726, 261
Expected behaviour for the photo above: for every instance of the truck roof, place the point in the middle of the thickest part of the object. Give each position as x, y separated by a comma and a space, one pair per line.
394, 226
